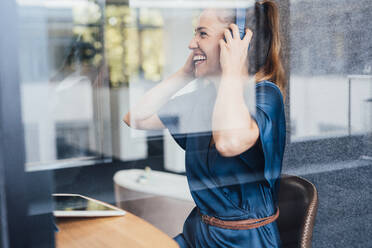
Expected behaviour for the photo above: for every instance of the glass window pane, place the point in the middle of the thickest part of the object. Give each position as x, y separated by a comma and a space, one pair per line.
86, 64
62, 82
328, 48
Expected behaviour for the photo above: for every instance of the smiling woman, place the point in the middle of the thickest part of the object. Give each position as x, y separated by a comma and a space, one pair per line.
205, 46
233, 155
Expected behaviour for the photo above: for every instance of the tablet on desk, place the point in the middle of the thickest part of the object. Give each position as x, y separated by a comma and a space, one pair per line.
74, 205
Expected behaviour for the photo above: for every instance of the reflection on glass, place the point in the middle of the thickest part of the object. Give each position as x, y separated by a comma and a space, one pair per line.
151, 17
133, 43
360, 87
367, 110
121, 43
328, 44
62, 87
152, 53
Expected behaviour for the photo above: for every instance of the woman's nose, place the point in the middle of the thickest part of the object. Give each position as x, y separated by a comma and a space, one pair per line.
193, 43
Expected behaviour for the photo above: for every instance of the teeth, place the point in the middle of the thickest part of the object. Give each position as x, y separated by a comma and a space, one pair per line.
199, 57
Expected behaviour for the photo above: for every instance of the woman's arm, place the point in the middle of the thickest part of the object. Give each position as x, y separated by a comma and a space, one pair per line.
143, 114
234, 130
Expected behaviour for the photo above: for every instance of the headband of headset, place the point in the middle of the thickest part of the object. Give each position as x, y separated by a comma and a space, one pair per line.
240, 21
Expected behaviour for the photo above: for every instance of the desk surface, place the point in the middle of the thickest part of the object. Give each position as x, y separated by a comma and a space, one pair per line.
124, 231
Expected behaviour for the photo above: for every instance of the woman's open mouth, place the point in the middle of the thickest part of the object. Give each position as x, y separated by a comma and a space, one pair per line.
198, 59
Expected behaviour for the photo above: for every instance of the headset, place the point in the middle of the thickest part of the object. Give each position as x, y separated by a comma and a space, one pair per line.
240, 22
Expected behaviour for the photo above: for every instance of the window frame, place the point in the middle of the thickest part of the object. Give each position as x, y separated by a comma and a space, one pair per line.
19, 190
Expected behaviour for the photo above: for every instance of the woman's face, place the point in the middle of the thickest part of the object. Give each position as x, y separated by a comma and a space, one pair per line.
205, 46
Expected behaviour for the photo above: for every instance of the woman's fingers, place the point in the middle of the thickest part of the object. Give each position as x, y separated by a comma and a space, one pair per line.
228, 35
235, 31
222, 44
190, 61
248, 35
189, 66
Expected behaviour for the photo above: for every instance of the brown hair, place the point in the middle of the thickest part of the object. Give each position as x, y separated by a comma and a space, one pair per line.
264, 54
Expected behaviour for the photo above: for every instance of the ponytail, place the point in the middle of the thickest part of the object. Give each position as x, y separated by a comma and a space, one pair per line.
272, 69
264, 60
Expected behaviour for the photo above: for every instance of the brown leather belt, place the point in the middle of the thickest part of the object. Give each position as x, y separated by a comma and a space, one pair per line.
239, 224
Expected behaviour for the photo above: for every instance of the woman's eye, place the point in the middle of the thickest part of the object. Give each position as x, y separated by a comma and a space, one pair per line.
203, 34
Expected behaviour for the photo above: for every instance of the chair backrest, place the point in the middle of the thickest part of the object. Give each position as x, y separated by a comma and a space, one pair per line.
298, 203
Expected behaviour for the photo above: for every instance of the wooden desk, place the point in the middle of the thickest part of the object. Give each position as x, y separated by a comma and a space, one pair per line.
127, 231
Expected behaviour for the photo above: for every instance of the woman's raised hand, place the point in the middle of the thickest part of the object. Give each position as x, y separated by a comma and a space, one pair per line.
189, 68
234, 52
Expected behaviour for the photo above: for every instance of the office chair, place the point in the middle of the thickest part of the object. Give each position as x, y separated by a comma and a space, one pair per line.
298, 204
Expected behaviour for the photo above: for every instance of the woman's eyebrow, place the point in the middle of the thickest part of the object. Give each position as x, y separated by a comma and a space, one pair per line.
200, 29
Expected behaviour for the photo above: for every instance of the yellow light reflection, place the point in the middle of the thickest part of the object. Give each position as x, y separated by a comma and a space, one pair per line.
133, 43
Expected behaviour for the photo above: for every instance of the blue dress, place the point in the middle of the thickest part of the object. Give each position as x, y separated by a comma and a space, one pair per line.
229, 188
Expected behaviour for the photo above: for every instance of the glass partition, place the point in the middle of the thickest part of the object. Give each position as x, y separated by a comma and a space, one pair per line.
64, 86
330, 57
330, 111
90, 72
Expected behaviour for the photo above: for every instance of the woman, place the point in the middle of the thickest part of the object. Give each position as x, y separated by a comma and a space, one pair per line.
232, 170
